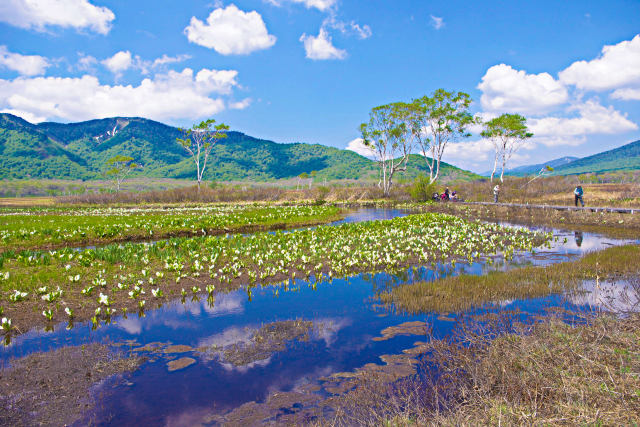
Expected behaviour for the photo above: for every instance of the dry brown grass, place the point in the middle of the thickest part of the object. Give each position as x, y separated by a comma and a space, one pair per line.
612, 224
553, 190
20, 202
459, 293
549, 373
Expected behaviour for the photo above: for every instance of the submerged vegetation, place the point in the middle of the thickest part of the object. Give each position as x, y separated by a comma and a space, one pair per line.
463, 292
96, 283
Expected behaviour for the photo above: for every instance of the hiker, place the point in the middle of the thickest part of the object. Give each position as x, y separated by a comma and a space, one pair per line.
446, 194
578, 195
435, 197
454, 196
496, 191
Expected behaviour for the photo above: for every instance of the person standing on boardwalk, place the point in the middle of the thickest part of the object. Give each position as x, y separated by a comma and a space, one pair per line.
578, 195
496, 191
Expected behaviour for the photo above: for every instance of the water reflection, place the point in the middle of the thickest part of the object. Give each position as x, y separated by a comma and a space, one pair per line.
345, 317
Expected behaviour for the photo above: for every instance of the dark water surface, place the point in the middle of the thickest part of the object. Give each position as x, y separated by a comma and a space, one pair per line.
345, 316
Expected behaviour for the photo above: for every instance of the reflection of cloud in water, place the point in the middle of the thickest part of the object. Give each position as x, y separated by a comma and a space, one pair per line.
166, 316
226, 304
231, 335
609, 296
327, 329
230, 367
131, 325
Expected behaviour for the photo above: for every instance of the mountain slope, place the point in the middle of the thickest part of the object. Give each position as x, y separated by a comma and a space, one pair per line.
534, 169
80, 150
626, 157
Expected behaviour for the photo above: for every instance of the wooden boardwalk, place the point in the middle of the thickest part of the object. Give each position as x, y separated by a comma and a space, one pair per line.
560, 208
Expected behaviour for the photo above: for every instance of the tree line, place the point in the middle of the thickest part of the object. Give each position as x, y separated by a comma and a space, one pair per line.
429, 124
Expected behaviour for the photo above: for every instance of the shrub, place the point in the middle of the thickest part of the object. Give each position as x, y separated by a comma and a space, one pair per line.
421, 190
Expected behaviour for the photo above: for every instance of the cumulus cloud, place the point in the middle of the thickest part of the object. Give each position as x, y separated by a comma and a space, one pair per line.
173, 95
321, 47
240, 105
592, 118
26, 65
119, 62
321, 5
617, 67
627, 94
437, 22
230, 31
39, 14
357, 146
348, 28
507, 90
85, 62
123, 60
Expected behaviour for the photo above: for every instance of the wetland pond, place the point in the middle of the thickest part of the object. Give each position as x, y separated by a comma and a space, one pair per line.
265, 356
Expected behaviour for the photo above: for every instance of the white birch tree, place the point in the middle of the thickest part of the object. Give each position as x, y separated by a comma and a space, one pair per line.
386, 135
199, 141
119, 168
507, 133
438, 120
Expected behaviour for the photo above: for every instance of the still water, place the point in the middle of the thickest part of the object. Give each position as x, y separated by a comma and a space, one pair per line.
344, 314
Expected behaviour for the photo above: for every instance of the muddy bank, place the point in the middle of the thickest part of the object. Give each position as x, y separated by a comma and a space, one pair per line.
58, 387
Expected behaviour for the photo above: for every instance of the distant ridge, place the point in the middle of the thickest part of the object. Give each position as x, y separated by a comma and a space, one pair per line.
622, 158
80, 151
534, 169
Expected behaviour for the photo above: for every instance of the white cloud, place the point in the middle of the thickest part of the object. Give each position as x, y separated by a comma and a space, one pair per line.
593, 118
363, 32
321, 5
231, 31
119, 62
469, 151
627, 94
31, 118
165, 59
507, 90
123, 61
617, 67
174, 95
240, 105
26, 65
321, 47
38, 14
437, 22
86, 62
357, 146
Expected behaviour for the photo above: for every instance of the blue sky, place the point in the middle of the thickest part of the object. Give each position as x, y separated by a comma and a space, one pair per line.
310, 70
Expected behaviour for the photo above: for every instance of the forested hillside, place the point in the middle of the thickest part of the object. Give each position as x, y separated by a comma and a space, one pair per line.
80, 151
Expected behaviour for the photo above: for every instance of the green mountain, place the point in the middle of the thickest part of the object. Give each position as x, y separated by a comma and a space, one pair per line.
80, 151
534, 169
622, 158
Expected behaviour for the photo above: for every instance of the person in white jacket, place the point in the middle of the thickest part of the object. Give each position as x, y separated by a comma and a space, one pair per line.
496, 192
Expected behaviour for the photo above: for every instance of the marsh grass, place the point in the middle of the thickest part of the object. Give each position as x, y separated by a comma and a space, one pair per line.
460, 293
612, 224
548, 373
